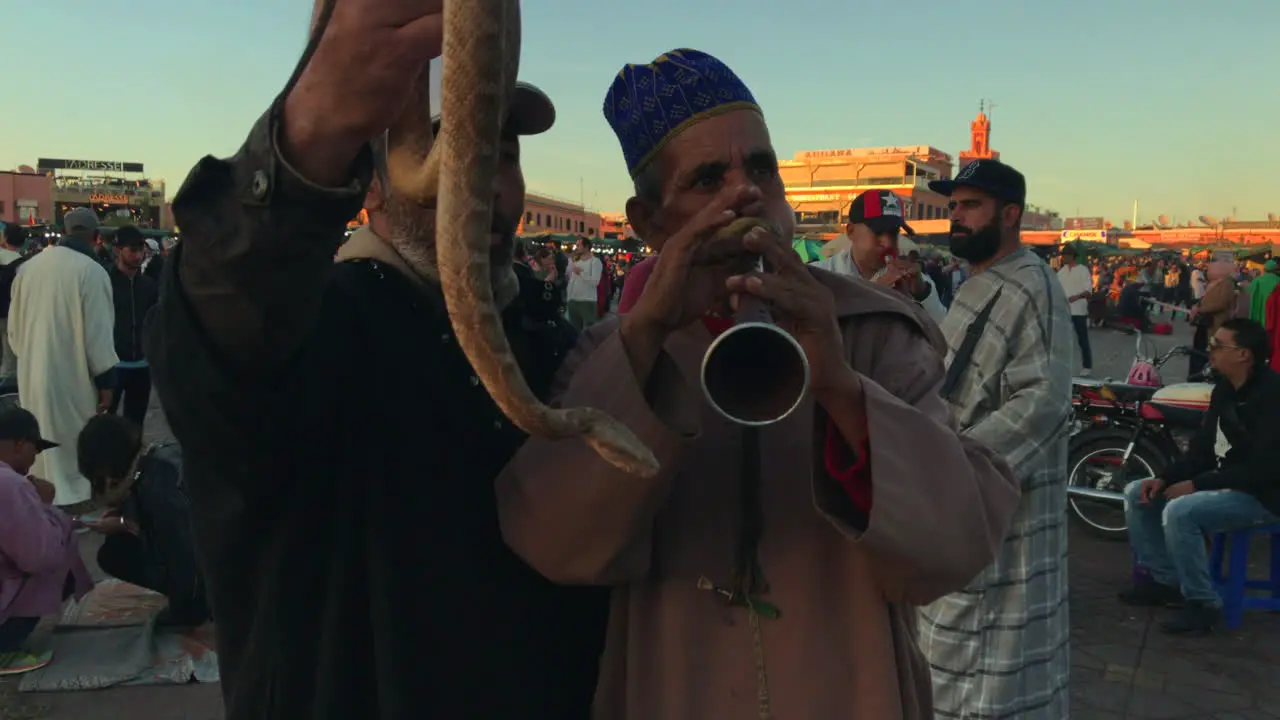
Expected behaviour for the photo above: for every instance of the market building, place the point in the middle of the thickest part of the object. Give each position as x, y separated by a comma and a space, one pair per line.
820, 184
119, 192
615, 226
26, 196
546, 214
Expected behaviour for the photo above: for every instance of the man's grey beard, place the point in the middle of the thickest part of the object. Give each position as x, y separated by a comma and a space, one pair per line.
414, 239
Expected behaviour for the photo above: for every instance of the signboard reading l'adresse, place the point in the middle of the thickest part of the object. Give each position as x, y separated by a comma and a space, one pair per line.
89, 165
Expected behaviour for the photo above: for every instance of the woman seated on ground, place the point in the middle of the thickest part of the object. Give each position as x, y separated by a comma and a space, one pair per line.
148, 523
40, 563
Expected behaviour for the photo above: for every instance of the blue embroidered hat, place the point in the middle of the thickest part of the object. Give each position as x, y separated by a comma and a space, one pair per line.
647, 105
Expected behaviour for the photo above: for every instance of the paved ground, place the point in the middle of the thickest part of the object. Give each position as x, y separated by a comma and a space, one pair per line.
1123, 666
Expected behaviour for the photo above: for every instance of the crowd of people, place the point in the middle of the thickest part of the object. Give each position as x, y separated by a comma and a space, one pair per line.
375, 539
73, 341
1139, 291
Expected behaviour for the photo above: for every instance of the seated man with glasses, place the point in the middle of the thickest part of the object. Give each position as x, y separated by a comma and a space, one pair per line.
1229, 479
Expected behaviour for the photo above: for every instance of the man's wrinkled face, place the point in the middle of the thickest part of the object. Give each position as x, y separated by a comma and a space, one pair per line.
975, 224
410, 227
718, 155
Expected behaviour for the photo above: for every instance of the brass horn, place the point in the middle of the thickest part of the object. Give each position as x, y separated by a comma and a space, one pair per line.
755, 373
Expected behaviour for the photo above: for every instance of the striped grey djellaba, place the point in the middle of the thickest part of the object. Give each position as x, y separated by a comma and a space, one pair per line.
1000, 648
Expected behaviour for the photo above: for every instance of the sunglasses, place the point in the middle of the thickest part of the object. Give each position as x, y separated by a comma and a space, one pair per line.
1216, 344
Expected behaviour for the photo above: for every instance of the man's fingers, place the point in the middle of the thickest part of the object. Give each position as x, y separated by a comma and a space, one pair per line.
727, 204
394, 14
428, 30
779, 290
780, 256
701, 227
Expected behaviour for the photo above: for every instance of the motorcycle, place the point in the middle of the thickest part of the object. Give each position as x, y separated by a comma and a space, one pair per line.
1128, 431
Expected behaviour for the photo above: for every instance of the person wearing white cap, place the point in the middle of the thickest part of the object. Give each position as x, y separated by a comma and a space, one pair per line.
154, 265
339, 450
61, 322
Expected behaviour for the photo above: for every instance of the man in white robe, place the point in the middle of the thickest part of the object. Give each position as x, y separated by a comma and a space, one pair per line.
61, 322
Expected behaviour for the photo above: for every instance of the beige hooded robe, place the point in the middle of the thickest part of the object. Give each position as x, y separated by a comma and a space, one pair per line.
845, 644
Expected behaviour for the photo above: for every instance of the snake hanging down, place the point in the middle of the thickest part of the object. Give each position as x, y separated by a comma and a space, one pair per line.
481, 58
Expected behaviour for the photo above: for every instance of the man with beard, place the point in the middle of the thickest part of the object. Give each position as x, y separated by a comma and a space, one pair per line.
134, 294
339, 450
999, 648
766, 571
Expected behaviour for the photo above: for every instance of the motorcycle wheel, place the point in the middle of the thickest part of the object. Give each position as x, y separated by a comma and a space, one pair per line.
1093, 462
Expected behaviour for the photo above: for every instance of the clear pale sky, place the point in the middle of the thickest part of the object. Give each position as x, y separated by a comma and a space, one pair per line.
1169, 102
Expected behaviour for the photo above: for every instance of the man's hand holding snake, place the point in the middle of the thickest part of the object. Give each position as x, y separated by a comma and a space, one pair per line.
358, 82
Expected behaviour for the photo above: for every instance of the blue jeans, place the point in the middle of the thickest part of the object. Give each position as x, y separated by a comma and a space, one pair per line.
1169, 536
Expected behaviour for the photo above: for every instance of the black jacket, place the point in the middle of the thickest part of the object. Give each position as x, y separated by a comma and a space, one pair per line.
341, 455
135, 295
542, 300
1250, 419
159, 505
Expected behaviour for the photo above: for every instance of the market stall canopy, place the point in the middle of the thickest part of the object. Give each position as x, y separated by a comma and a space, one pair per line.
1240, 251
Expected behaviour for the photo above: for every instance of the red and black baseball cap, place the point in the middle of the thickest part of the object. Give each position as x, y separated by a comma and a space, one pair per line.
881, 210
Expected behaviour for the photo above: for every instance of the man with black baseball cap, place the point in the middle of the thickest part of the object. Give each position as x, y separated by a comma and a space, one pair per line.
983, 183
1000, 648
20, 425
135, 294
40, 561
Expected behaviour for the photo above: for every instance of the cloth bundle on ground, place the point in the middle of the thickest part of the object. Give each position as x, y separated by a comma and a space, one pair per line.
110, 638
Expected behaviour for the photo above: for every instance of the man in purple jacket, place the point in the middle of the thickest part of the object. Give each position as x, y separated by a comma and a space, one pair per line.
40, 561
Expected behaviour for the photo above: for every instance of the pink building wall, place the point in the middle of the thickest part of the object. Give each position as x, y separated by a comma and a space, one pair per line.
25, 198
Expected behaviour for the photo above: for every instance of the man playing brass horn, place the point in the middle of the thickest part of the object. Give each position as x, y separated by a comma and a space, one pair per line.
766, 571
340, 451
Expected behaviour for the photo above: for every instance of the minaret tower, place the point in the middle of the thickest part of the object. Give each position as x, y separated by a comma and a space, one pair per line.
980, 137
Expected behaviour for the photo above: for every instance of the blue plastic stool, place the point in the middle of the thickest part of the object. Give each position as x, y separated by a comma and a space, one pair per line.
1234, 584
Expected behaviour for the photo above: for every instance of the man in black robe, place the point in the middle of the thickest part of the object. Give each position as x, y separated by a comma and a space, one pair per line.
339, 450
